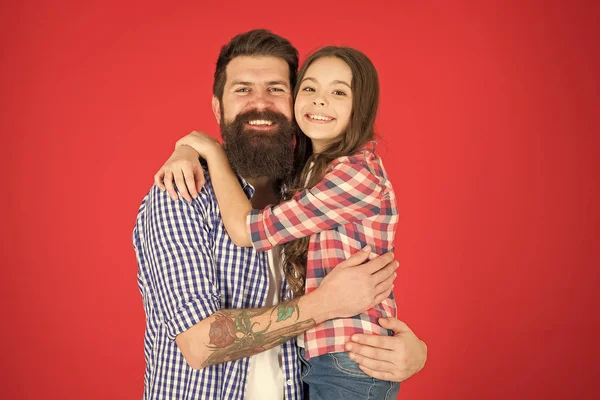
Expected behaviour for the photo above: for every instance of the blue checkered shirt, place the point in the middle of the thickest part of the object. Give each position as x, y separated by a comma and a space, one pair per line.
188, 269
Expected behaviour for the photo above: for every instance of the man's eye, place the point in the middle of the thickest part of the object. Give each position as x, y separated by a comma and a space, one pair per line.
276, 89
243, 90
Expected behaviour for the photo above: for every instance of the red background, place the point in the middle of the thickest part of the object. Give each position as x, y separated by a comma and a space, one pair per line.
489, 119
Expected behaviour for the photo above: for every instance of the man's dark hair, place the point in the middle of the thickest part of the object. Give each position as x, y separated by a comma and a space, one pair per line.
257, 42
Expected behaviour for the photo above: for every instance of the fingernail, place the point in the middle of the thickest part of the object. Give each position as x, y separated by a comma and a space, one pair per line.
348, 346
354, 338
366, 248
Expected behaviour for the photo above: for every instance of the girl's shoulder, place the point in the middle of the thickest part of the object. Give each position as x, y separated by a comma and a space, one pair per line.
364, 162
364, 156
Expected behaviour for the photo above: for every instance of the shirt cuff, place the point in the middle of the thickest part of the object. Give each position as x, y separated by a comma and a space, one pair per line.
190, 314
259, 235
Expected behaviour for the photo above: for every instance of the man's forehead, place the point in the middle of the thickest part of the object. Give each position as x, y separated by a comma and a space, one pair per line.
257, 70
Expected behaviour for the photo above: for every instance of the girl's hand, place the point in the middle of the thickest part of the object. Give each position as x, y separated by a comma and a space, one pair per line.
184, 167
205, 145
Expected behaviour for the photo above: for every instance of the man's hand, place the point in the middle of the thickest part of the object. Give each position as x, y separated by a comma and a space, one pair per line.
391, 358
353, 287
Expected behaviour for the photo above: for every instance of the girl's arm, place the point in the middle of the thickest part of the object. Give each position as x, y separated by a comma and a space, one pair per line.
233, 203
348, 193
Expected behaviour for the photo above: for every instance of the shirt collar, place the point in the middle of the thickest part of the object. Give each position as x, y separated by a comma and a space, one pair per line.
246, 187
369, 146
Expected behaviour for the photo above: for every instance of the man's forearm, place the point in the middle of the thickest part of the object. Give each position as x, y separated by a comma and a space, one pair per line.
237, 333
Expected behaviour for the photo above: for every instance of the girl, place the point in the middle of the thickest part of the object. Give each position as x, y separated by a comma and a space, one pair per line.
338, 201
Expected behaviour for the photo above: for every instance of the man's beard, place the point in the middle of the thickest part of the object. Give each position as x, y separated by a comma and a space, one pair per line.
253, 153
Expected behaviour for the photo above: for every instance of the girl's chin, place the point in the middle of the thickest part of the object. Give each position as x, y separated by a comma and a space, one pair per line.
321, 136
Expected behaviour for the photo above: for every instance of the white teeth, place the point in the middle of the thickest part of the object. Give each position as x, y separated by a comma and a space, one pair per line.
319, 117
260, 122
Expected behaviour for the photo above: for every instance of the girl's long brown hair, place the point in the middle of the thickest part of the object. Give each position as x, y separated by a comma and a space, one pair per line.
360, 130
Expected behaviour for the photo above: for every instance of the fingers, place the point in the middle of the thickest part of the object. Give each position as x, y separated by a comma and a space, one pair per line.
362, 341
370, 352
386, 285
158, 179
394, 324
357, 258
385, 272
380, 262
181, 186
199, 178
384, 376
190, 181
382, 296
372, 363
169, 185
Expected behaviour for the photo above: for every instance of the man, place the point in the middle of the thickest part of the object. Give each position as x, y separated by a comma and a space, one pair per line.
217, 314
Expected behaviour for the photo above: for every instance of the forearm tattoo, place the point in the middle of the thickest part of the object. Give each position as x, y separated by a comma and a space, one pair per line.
233, 334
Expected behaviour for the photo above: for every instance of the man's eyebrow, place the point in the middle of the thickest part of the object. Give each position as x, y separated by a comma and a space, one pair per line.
244, 83
284, 83
269, 83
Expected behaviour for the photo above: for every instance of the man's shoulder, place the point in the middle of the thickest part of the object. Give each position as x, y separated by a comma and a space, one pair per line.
159, 201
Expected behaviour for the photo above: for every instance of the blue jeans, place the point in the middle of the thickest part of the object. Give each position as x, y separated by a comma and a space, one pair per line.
335, 376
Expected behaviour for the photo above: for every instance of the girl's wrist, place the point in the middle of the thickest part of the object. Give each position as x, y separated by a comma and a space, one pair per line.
185, 143
215, 154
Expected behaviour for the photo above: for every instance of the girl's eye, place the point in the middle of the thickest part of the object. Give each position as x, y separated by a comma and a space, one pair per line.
339, 93
308, 89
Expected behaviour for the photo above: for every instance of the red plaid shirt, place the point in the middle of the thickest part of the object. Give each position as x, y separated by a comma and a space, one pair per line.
352, 206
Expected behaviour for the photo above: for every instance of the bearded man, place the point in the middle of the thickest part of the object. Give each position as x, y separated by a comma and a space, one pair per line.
220, 323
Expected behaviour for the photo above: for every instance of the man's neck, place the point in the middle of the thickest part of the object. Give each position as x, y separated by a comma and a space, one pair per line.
266, 191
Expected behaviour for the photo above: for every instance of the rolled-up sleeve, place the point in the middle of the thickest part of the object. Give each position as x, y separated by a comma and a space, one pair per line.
347, 193
173, 247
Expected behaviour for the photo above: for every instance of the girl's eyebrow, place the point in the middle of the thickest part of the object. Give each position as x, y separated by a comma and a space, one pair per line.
334, 82
343, 83
309, 79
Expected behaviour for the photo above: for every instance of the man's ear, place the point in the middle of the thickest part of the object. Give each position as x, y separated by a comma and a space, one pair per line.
216, 106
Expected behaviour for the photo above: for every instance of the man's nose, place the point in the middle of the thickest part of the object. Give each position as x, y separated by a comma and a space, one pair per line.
262, 100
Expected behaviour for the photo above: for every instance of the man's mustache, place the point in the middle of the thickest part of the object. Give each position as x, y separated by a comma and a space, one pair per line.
265, 115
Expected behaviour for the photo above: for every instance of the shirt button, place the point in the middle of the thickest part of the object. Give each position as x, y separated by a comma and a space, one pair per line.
289, 382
